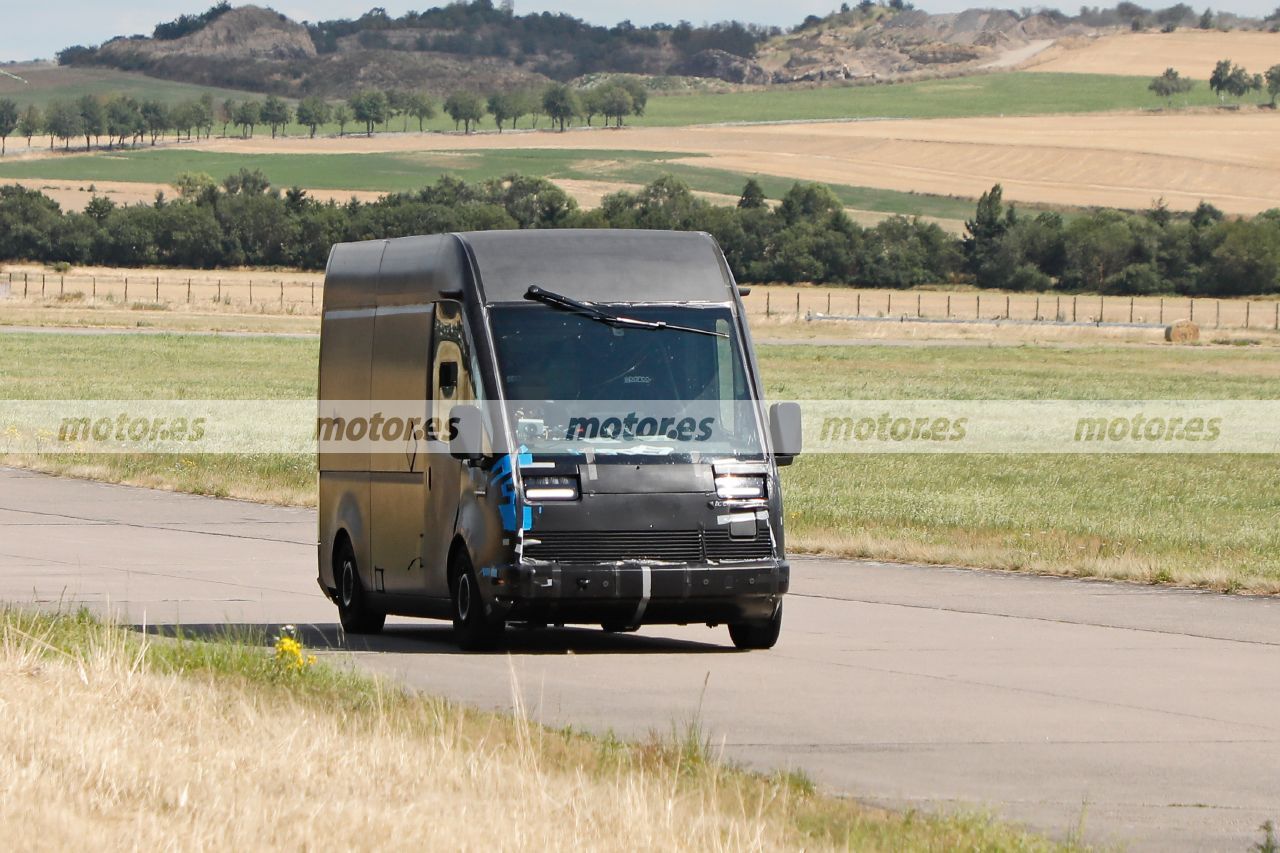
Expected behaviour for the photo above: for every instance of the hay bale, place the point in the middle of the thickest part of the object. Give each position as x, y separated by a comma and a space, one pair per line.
1182, 332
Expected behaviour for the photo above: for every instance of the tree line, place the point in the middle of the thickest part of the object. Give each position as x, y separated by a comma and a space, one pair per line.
124, 120
806, 236
1226, 79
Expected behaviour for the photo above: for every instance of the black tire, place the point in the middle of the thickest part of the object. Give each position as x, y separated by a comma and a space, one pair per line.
354, 612
473, 631
618, 626
757, 635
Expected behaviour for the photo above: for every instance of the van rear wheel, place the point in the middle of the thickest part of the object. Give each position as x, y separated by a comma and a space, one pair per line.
472, 629
761, 634
354, 612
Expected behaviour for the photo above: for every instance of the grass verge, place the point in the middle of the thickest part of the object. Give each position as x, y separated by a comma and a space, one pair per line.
132, 742
1193, 520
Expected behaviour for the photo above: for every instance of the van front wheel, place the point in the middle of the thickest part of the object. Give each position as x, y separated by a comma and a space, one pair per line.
757, 635
472, 629
353, 609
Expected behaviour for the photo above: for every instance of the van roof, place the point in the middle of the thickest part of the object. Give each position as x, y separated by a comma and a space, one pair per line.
600, 265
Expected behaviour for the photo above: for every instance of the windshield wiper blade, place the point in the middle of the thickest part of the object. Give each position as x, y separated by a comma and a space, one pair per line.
595, 312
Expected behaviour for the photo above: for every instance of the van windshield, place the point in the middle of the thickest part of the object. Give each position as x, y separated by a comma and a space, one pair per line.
574, 384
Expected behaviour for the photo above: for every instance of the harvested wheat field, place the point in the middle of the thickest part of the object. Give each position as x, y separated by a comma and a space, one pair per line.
1192, 52
1122, 160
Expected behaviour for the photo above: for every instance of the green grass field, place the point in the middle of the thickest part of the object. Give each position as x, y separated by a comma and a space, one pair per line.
44, 83
1202, 520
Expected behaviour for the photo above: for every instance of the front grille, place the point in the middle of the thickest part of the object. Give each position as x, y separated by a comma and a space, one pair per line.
670, 546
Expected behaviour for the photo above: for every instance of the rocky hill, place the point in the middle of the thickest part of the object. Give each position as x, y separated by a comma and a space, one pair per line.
475, 45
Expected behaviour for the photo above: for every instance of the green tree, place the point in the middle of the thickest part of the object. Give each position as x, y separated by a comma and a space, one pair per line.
422, 108
465, 108
398, 105
63, 120
30, 123
313, 111
227, 113
1219, 80
989, 223
204, 113
248, 115
342, 115
592, 101
93, 118
639, 93
8, 121
615, 103
502, 108
752, 196
1206, 20
561, 104
1273, 83
1169, 84
525, 102
370, 107
276, 113
124, 119
155, 118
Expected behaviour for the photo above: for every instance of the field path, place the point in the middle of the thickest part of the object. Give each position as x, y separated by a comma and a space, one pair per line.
1149, 711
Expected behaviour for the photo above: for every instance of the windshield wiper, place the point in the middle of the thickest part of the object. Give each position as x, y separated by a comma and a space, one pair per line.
595, 312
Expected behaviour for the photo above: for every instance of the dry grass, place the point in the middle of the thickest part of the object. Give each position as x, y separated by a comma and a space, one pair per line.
1192, 52
122, 744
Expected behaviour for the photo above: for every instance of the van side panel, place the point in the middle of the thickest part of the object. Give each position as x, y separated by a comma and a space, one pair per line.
346, 351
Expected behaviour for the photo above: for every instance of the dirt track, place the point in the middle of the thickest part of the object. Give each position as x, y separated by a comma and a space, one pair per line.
1192, 52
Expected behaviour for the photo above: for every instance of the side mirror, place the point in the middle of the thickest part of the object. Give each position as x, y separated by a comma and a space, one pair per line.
786, 432
466, 433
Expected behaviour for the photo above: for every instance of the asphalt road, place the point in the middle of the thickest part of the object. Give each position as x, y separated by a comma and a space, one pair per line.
1149, 716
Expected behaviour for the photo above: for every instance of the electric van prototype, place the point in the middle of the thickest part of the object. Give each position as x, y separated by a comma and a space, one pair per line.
547, 427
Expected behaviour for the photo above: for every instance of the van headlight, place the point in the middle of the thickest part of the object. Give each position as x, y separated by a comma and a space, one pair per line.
551, 488
740, 486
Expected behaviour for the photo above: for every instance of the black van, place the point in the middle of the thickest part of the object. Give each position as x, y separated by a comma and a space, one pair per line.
547, 427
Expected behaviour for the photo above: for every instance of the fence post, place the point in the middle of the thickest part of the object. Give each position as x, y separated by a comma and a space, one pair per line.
25, 279
1074, 315
219, 291
94, 297
313, 295
1247, 306
797, 304
62, 285
766, 304
157, 290
1102, 308
188, 291
1161, 310
918, 314
888, 311
1037, 317
948, 306
977, 312
42, 285
828, 303
1217, 320
857, 311
250, 291
1278, 316
1057, 309
126, 289
1193, 309
1006, 307
1130, 309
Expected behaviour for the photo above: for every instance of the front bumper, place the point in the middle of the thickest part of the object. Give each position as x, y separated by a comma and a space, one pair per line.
635, 593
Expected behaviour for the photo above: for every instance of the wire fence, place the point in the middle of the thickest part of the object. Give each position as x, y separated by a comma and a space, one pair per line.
303, 293
1021, 307
296, 293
